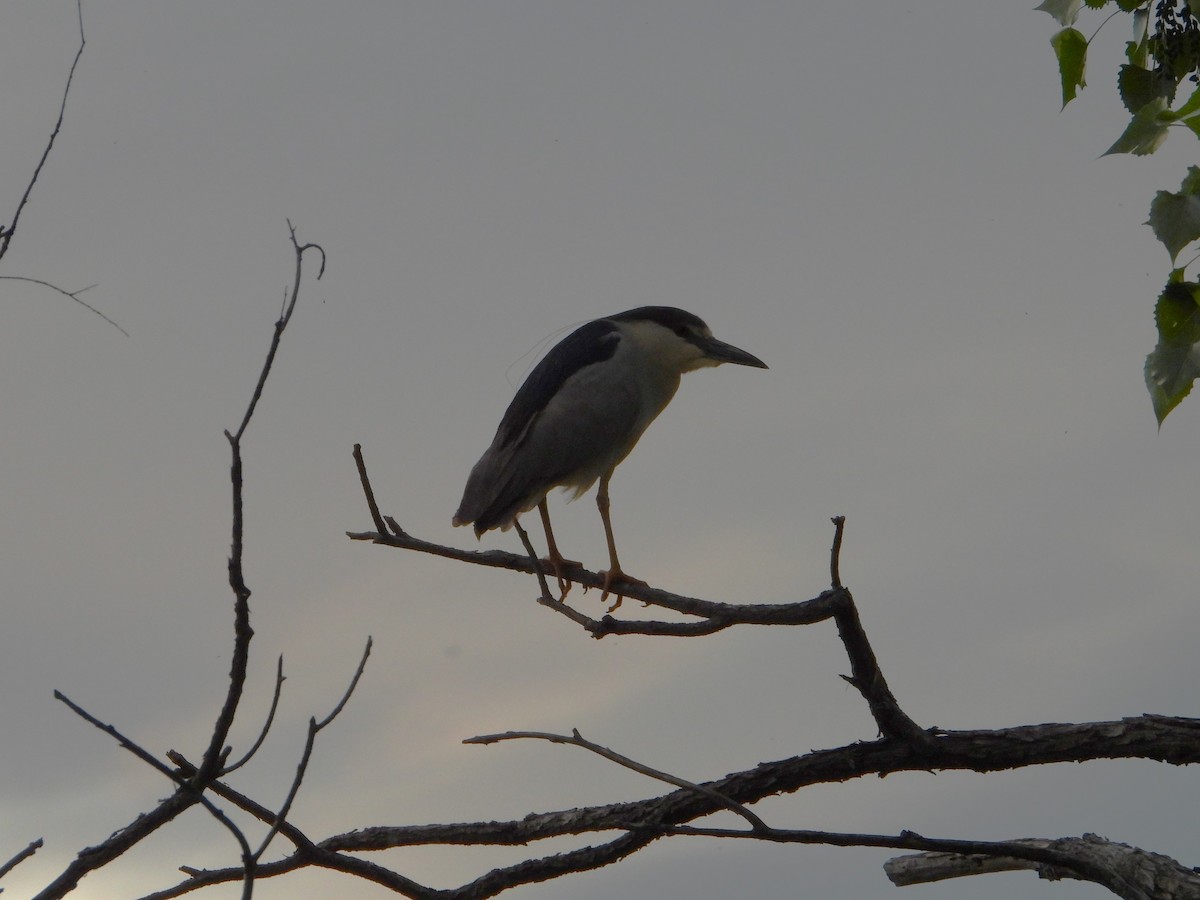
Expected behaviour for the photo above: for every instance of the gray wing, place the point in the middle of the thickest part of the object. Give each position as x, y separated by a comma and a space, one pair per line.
586, 427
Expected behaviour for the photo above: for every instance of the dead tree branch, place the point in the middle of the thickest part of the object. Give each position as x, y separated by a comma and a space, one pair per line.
7, 232
1172, 740
903, 745
20, 857
191, 787
575, 739
1126, 871
835, 603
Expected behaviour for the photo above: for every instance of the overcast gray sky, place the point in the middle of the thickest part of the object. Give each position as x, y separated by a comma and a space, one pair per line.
881, 200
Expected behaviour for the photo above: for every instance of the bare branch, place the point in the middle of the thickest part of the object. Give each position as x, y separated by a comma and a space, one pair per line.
1173, 740
314, 728
835, 603
368, 491
577, 740
262, 735
20, 857
282, 323
6, 233
243, 633
74, 295
835, 554
111, 730
536, 563
1126, 871
191, 786
152, 761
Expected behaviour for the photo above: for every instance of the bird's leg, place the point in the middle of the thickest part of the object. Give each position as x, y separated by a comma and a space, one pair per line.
557, 561
615, 572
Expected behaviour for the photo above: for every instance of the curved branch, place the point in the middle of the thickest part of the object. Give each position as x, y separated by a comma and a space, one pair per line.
74, 295
262, 734
835, 603
1126, 871
575, 739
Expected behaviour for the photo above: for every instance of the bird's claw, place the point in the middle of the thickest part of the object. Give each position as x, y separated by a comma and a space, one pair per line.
616, 575
558, 565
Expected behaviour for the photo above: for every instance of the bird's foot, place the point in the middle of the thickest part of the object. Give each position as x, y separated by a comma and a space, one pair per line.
610, 578
559, 565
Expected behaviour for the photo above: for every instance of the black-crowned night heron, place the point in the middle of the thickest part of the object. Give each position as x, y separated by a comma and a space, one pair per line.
580, 412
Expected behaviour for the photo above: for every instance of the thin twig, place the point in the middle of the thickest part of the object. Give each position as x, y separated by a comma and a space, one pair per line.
575, 739
534, 561
282, 323
6, 234
368, 491
262, 735
211, 764
905, 840
835, 575
152, 761
314, 728
74, 295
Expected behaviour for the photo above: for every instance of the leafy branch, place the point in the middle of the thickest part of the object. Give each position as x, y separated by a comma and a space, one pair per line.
1162, 65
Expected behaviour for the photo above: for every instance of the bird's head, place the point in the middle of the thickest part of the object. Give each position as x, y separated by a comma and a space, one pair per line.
679, 339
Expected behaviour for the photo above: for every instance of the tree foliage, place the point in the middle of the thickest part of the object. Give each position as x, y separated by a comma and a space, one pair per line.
1158, 86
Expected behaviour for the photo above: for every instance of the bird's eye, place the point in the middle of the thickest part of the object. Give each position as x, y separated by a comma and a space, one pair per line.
681, 330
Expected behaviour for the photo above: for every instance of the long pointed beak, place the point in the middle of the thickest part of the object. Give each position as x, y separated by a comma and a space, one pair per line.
721, 352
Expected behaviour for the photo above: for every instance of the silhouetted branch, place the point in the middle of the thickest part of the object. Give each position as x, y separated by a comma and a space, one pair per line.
1172, 740
262, 734
214, 756
20, 857
74, 295
192, 786
6, 233
575, 739
367, 490
314, 728
1126, 871
835, 603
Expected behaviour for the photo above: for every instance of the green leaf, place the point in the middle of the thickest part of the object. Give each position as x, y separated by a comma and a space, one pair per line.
1065, 11
1096, 4
1194, 124
1145, 132
1130, 5
1177, 313
1175, 218
1139, 86
1170, 371
1070, 46
1174, 364
1192, 105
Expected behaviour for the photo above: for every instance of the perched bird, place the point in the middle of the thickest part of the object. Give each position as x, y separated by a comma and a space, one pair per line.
580, 412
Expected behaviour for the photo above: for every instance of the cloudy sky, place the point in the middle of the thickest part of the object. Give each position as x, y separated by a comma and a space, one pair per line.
882, 201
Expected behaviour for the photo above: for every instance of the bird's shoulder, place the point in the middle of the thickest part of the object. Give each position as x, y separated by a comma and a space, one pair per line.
585, 346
